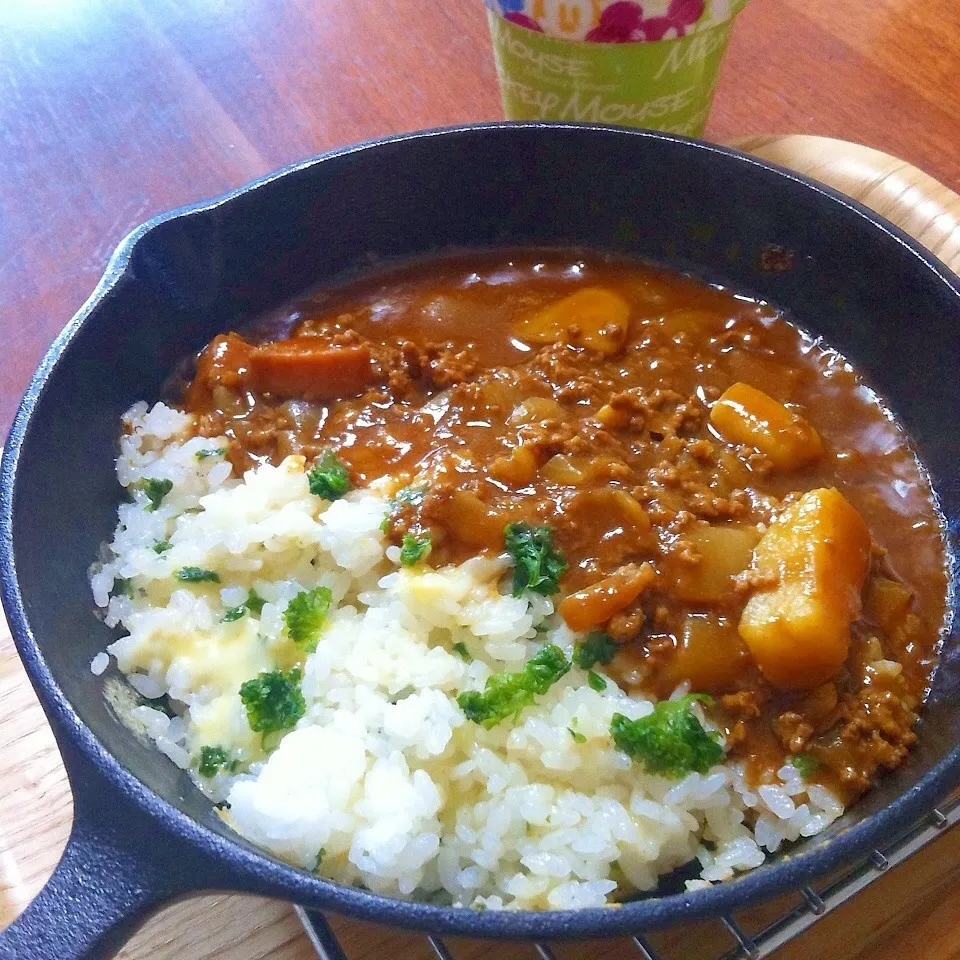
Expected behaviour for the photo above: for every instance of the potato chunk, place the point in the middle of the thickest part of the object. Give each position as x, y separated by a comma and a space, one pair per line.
817, 553
577, 471
593, 317
222, 365
887, 602
747, 415
468, 519
611, 517
724, 552
515, 469
692, 322
710, 655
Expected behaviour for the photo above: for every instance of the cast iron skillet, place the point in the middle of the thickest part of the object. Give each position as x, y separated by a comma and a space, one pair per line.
142, 833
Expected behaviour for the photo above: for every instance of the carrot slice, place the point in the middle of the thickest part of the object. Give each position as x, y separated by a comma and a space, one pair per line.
597, 603
307, 369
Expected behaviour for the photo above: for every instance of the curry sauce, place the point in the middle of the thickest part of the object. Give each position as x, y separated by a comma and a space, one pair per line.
737, 510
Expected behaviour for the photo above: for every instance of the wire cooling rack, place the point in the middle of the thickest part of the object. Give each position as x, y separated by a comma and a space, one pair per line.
809, 905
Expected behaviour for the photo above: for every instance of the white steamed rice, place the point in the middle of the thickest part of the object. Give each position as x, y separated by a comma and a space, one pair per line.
384, 774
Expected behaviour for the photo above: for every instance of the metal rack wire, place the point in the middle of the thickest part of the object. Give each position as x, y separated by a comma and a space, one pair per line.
812, 904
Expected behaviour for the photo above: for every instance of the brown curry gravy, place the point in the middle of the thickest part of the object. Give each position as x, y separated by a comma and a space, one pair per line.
451, 392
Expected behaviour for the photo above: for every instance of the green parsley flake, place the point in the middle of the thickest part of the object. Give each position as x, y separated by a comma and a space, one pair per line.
155, 490
577, 737
329, 478
506, 694
671, 741
212, 760
196, 575
537, 564
321, 853
596, 681
804, 763
305, 615
273, 700
217, 452
162, 546
461, 648
597, 648
254, 603
414, 549
406, 496
122, 587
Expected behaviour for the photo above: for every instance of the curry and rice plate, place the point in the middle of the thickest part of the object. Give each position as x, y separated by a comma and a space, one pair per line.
522, 581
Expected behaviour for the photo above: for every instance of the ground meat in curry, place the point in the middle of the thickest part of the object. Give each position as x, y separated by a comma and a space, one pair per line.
737, 510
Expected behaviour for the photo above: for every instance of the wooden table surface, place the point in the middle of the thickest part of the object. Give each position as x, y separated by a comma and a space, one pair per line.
114, 110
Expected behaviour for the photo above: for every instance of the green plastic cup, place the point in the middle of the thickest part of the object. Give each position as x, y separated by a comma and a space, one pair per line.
658, 84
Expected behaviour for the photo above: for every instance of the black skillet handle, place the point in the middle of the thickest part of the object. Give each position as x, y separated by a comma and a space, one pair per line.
120, 865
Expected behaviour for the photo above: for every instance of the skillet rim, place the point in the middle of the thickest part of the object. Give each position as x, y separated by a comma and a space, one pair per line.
258, 872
